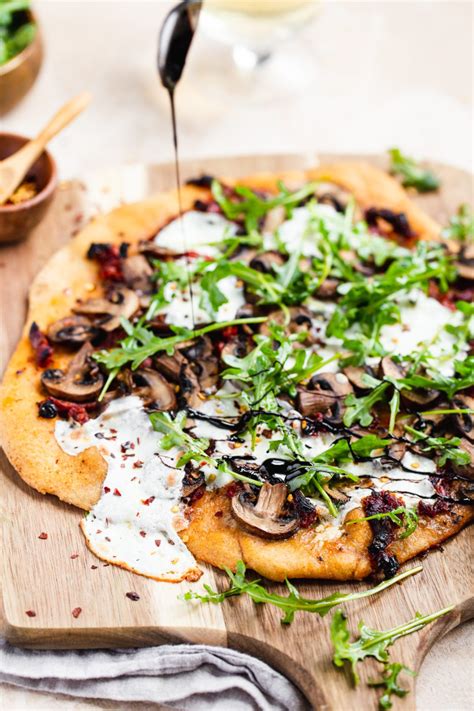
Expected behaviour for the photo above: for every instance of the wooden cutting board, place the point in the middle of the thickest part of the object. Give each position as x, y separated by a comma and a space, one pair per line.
54, 576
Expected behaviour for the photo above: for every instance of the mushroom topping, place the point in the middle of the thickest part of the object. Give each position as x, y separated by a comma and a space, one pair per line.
300, 321
465, 420
150, 248
170, 366
355, 375
273, 219
325, 394
266, 517
236, 347
81, 382
332, 194
266, 261
327, 289
120, 303
339, 497
466, 469
192, 481
391, 369
72, 330
137, 273
465, 263
204, 362
152, 388
189, 387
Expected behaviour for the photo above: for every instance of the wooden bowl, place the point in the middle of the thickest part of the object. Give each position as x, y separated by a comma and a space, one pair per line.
18, 75
16, 221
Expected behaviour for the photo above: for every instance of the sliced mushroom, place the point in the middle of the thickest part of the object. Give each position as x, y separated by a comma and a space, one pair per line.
189, 386
465, 262
465, 421
192, 481
204, 362
81, 382
236, 347
273, 219
355, 375
332, 194
170, 366
300, 321
137, 273
265, 261
466, 469
152, 388
120, 303
339, 497
265, 518
72, 330
328, 289
391, 369
325, 394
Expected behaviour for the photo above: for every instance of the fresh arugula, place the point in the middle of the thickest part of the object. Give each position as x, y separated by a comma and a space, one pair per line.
359, 409
251, 207
447, 448
403, 517
413, 176
367, 305
461, 225
293, 602
141, 343
14, 35
463, 378
389, 682
193, 448
372, 643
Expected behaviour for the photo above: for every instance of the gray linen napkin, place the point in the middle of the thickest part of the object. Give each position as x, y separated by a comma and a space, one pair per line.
194, 677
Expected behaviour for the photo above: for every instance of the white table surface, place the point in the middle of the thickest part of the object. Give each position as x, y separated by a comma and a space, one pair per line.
376, 74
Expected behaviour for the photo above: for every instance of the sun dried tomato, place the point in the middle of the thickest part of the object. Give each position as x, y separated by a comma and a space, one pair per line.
109, 257
41, 346
79, 413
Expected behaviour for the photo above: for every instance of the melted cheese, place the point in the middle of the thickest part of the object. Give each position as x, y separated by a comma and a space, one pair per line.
195, 231
136, 519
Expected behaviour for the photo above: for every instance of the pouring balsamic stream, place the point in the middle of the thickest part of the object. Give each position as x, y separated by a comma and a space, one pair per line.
175, 39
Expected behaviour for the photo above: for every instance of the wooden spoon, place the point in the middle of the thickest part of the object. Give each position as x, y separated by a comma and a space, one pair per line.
14, 168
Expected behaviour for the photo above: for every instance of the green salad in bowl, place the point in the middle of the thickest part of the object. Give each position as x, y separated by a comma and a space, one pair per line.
17, 30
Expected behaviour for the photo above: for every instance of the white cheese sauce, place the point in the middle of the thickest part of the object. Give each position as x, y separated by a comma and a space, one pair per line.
136, 519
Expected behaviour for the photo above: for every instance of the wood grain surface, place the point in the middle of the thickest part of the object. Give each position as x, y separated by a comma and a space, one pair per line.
55, 576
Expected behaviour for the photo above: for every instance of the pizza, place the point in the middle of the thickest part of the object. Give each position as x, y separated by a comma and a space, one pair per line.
281, 375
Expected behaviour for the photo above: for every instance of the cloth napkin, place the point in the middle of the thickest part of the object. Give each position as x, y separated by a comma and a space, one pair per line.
194, 677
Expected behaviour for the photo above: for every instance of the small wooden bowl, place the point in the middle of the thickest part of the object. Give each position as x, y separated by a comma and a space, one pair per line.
17, 221
18, 75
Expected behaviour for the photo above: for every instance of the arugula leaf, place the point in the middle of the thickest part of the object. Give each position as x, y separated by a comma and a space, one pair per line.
461, 225
401, 516
372, 643
141, 343
389, 682
447, 447
413, 176
293, 602
359, 408
251, 208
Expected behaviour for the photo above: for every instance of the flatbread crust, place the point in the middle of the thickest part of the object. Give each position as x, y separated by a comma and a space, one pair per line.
30, 444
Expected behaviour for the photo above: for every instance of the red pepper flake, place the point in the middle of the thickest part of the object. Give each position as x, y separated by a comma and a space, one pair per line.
157, 542
93, 567
106, 489
107, 539
31, 613
41, 346
132, 596
43, 536
76, 612
143, 534
219, 514
148, 501
74, 556
138, 464
117, 492
229, 332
